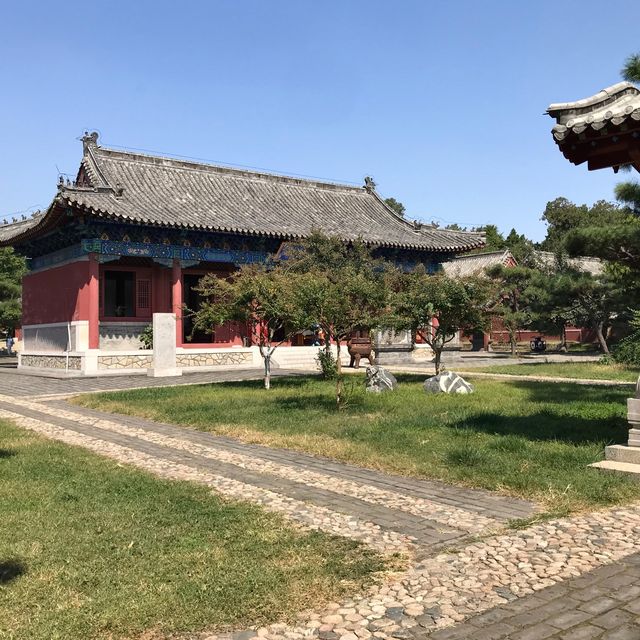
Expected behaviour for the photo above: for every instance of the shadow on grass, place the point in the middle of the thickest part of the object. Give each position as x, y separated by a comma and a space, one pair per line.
6, 453
543, 425
10, 570
565, 392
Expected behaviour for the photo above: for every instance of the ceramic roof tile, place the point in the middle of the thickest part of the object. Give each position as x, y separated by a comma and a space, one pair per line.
177, 193
614, 104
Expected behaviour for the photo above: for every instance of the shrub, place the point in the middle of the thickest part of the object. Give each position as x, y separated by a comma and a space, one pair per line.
328, 365
146, 337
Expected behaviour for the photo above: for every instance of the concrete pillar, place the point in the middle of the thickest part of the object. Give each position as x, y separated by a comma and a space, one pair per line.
176, 304
164, 346
94, 302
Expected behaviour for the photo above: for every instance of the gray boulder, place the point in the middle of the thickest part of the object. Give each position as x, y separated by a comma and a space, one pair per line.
380, 380
447, 382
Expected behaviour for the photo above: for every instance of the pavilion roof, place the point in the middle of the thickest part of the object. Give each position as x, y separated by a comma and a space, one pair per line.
603, 130
155, 190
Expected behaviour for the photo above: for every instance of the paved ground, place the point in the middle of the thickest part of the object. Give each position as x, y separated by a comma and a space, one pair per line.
467, 574
604, 604
17, 383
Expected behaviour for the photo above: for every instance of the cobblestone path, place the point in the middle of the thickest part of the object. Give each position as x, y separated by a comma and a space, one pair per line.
604, 604
462, 559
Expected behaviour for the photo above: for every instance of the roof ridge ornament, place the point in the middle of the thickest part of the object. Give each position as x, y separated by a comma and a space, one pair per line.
89, 140
369, 184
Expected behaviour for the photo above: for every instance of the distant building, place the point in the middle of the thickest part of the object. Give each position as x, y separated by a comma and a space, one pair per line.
476, 265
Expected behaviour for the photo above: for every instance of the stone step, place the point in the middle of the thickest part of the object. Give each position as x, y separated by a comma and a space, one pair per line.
622, 453
618, 467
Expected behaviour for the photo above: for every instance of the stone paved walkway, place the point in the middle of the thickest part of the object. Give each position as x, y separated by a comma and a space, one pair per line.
463, 562
604, 604
16, 383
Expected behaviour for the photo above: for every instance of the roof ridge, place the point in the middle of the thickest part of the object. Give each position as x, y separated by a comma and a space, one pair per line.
596, 98
197, 165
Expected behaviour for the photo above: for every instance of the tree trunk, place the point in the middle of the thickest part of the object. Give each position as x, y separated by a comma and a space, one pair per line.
601, 339
514, 344
338, 363
266, 357
563, 339
438, 357
339, 390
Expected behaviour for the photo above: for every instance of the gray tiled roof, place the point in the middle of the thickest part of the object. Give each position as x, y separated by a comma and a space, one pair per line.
466, 266
11, 230
588, 264
614, 104
163, 191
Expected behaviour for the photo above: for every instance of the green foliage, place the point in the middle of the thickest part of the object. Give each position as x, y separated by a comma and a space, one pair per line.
566, 222
340, 287
12, 268
395, 205
265, 299
514, 298
456, 304
631, 69
146, 337
494, 239
328, 364
627, 351
520, 246
629, 194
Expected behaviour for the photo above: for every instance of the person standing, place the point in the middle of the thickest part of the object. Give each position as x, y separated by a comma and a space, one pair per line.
10, 342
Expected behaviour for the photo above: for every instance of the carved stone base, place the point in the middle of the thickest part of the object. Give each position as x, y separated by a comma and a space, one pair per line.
395, 354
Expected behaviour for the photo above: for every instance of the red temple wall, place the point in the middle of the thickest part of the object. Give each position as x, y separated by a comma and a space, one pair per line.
59, 294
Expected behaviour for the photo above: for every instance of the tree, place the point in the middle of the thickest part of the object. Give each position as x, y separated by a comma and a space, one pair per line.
513, 306
397, 206
631, 69
263, 298
521, 247
437, 307
494, 240
597, 300
341, 288
12, 268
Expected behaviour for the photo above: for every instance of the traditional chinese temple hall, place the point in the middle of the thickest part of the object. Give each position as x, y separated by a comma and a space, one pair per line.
132, 235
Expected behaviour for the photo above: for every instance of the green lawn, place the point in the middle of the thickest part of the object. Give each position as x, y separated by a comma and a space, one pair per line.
93, 549
529, 439
587, 370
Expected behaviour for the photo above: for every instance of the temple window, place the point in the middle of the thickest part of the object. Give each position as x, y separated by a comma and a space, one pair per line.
119, 294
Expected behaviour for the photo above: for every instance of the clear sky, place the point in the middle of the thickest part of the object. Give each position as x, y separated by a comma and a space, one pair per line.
441, 102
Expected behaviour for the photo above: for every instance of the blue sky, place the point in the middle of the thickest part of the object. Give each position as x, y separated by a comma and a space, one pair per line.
441, 102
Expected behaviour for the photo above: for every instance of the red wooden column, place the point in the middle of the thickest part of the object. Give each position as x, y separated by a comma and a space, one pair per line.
176, 297
94, 302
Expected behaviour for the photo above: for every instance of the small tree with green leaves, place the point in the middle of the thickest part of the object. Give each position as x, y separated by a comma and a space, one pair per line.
263, 298
12, 268
513, 304
341, 288
596, 301
437, 307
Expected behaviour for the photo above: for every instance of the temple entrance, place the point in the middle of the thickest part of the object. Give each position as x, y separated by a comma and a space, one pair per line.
192, 299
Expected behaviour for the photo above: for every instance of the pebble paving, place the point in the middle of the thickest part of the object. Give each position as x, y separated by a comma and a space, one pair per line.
466, 574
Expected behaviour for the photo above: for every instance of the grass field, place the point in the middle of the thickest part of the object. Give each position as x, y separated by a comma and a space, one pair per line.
586, 370
93, 549
528, 439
